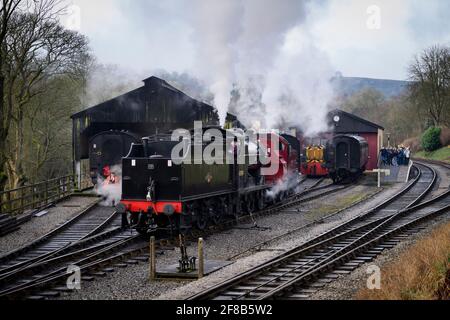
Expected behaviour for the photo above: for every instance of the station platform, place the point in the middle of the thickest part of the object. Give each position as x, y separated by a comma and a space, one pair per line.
398, 174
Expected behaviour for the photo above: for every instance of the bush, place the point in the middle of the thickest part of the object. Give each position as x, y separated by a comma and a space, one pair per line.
445, 137
431, 139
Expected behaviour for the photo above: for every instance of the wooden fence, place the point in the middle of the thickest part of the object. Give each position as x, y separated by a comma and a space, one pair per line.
40, 195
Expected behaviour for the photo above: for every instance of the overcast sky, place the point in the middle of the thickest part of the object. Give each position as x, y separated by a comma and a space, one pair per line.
152, 34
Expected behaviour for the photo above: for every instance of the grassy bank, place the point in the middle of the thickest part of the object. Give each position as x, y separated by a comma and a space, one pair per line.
439, 155
420, 273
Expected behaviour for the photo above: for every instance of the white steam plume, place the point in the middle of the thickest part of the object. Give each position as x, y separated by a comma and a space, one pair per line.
263, 51
216, 28
264, 25
111, 194
107, 81
298, 89
289, 182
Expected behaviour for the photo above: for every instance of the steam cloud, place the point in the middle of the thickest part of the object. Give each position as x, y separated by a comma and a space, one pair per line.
110, 193
289, 182
263, 52
217, 27
258, 59
108, 81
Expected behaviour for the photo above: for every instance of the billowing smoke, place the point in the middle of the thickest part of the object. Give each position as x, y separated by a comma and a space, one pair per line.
217, 26
106, 81
110, 188
185, 82
262, 52
289, 182
298, 89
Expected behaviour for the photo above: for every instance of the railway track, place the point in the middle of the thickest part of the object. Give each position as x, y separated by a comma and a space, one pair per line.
33, 278
92, 220
93, 252
309, 191
439, 163
298, 273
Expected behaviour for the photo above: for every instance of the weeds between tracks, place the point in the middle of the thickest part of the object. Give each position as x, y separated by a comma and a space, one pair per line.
421, 273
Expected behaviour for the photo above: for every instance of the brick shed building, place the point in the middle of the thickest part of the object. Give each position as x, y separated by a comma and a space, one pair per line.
346, 123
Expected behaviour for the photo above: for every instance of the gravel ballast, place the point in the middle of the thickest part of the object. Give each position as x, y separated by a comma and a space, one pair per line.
39, 227
132, 283
346, 287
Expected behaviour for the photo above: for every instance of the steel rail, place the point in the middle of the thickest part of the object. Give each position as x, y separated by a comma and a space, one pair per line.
61, 273
369, 239
332, 235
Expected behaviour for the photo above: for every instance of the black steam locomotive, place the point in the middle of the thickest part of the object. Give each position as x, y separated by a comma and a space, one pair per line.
106, 150
346, 157
159, 190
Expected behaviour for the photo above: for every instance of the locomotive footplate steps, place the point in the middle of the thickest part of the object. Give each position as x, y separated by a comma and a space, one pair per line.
172, 273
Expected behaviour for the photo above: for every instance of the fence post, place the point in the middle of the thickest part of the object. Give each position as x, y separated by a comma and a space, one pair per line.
201, 260
10, 206
58, 182
33, 197
152, 259
22, 201
8, 198
72, 183
46, 193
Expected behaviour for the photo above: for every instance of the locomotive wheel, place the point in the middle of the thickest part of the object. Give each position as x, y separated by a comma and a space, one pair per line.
186, 220
142, 224
133, 218
260, 201
225, 209
249, 205
201, 217
202, 221
214, 212
280, 197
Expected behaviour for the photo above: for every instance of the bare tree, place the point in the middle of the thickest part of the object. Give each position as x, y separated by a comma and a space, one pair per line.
48, 140
7, 10
367, 103
38, 49
430, 89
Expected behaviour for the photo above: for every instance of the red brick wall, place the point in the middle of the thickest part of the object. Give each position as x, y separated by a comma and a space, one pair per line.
372, 139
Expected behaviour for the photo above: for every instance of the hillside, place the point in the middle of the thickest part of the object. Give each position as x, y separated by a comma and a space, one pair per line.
346, 86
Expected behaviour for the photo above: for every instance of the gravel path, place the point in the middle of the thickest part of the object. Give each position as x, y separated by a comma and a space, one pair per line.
132, 283
38, 227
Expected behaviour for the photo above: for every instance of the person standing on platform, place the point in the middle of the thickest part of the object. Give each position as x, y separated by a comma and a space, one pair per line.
407, 155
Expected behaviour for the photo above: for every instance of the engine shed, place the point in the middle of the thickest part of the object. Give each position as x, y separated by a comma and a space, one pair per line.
346, 123
156, 107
